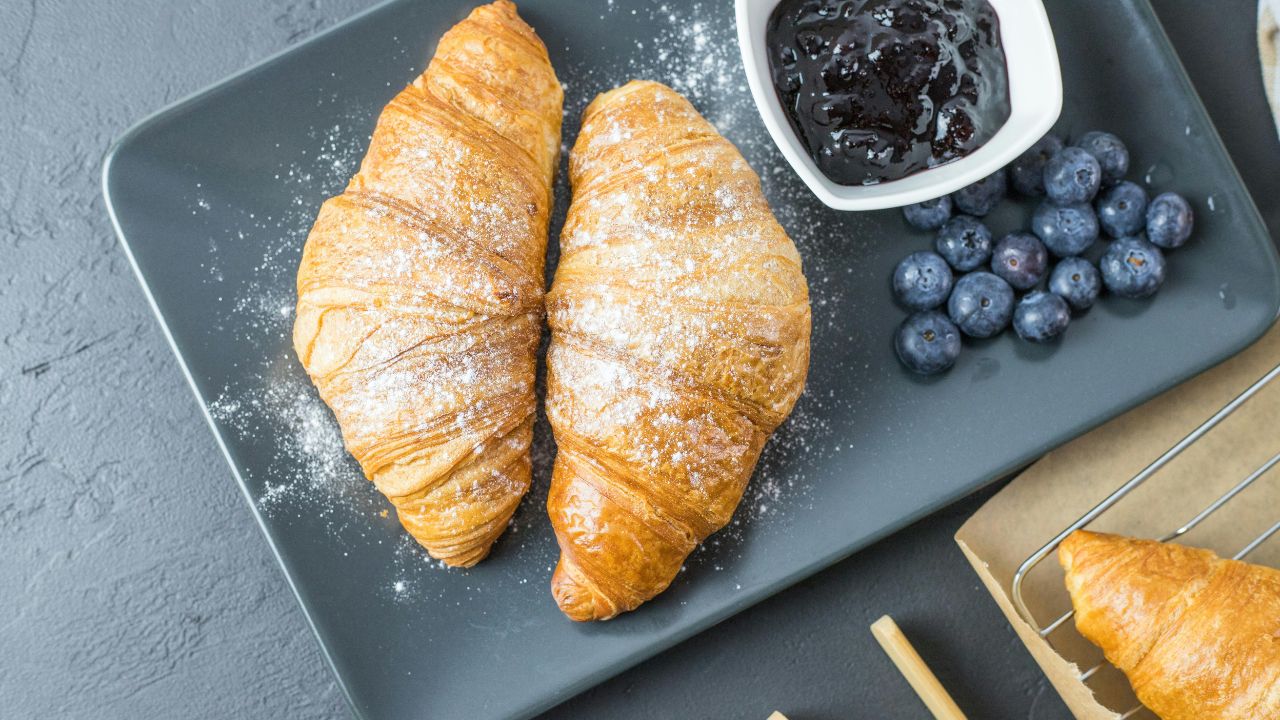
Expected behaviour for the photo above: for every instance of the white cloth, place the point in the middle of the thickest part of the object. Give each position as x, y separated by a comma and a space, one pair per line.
1269, 48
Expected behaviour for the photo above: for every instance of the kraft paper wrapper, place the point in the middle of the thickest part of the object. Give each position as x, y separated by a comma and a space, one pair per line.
1066, 483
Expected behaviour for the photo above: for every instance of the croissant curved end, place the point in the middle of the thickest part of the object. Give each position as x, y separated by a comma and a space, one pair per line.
631, 86
577, 601
466, 559
1067, 548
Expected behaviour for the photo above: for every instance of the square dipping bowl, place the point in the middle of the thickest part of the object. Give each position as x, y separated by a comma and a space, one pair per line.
1035, 99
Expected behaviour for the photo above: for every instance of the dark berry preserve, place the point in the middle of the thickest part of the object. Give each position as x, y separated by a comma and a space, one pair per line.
880, 89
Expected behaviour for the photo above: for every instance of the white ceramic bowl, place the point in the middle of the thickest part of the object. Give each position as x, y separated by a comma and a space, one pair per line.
1035, 98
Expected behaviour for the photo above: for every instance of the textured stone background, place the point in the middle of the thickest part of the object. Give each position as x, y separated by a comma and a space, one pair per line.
133, 582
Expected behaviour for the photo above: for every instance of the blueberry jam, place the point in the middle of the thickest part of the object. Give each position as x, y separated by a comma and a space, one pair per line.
880, 89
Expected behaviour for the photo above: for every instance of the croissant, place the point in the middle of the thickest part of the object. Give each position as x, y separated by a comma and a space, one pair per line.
1197, 636
420, 292
679, 341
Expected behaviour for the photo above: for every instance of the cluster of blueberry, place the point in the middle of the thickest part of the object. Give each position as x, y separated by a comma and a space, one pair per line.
1085, 196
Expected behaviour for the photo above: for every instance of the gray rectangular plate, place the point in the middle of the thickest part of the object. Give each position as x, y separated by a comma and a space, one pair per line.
213, 198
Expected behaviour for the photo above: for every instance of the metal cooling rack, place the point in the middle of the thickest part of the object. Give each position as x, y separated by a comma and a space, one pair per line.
1133, 483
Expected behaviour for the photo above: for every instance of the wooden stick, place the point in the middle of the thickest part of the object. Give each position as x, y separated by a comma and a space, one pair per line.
922, 679
777, 716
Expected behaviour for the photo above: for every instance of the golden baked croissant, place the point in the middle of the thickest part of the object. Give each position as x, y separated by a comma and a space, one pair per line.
421, 286
1198, 636
679, 341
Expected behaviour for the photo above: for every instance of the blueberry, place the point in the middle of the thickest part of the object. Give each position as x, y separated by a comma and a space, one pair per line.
1026, 174
1077, 281
1041, 317
1020, 260
1072, 176
1122, 209
981, 197
964, 242
927, 342
922, 281
1109, 151
1169, 220
930, 214
1132, 268
1067, 230
981, 304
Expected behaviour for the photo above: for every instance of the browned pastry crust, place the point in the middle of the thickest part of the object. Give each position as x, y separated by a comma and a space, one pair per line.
1198, 636
680, 340
420, 293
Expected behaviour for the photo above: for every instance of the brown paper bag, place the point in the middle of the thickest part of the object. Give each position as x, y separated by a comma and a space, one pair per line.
1069, 481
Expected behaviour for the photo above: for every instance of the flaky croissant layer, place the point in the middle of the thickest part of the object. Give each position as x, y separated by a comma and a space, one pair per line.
420, 292
1197, 636
679, 341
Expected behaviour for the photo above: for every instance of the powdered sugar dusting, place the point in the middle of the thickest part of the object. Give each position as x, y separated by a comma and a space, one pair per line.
312, 456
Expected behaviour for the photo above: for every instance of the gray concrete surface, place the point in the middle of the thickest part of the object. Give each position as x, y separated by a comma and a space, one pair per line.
133, 582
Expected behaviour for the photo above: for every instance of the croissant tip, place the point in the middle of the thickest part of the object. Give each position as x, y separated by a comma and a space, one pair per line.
462, 564
576, 613
575, 600
1071, 543
454, 558
506, 7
